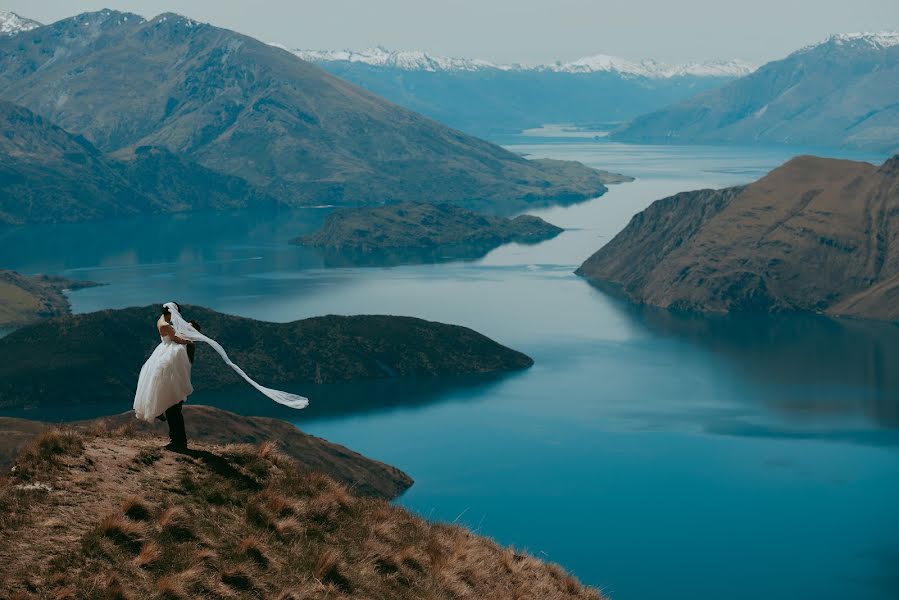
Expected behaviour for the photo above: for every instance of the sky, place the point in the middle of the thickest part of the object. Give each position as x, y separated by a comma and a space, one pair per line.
524, 31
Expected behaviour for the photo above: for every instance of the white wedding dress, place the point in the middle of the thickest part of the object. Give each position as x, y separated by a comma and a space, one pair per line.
164, 380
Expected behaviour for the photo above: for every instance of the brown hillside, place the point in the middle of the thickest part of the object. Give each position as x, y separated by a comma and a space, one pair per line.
110, 516
815, 234
209, 425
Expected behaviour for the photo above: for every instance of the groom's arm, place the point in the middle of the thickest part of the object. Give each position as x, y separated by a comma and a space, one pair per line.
169, 331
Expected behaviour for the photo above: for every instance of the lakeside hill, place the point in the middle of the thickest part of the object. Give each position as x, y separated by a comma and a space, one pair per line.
245, 108
108, 515
48, 175
840, 93
427, 227
484, 98
103, 352
212, 426
26, 299
815, 234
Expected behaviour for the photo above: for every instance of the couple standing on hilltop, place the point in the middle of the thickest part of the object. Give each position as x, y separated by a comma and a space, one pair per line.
164, 382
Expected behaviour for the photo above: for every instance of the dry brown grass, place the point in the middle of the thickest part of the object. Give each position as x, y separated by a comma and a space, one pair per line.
268, 531
47, 450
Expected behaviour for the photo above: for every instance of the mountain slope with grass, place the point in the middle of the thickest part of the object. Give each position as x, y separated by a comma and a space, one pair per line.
107, 515
814, 234
39, 362
241, 107
26, 299
48, 175
209, 425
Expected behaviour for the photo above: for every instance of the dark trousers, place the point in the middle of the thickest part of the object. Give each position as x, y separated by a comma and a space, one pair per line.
175, 419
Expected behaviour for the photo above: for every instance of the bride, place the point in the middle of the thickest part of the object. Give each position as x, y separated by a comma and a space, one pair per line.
164, 380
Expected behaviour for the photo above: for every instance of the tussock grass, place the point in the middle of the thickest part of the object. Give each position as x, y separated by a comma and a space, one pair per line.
268, 531
122, 532
136, 509
49, 449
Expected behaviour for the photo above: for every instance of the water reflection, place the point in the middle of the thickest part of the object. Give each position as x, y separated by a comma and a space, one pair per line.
818, 368
335, 400
394, 257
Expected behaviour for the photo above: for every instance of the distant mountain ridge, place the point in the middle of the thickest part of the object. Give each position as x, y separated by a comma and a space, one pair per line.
815, 234
244, 108
485, 98
11, 23
842, 92
418, 60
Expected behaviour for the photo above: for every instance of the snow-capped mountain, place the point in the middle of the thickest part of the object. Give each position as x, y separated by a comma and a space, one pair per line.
417, 60
873, 40
11, 23
653, 68
838, 93
410, 60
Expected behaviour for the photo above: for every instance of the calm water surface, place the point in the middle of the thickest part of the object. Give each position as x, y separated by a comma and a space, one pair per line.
655, 455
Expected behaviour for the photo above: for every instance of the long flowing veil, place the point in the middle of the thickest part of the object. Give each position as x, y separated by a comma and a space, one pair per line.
186, 331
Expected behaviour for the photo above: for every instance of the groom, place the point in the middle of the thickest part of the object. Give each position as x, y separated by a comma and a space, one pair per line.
173, 415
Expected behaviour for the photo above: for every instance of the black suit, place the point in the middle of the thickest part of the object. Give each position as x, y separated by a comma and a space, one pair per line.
174, 416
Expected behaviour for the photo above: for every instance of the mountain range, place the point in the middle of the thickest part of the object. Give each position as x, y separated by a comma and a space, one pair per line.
486, 98
815, 234
243, 108
843, 92
418, 60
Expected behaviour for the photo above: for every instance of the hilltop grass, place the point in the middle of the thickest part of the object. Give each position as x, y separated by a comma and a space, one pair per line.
232, 522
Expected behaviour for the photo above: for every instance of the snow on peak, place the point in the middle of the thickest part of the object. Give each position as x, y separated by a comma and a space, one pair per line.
407, 60
874, 40
11, 23
881, 39
417, 60
654, 69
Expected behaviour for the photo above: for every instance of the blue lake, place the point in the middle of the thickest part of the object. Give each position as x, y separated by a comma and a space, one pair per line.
654, 455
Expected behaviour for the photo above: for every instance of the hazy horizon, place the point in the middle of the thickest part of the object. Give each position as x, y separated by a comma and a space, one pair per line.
525, 32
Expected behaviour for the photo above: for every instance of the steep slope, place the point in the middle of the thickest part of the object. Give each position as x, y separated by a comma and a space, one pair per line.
241, 107
27, 299
49, 175
841, 93
814, 234
208, 425
39, 362
484, 98
109, 516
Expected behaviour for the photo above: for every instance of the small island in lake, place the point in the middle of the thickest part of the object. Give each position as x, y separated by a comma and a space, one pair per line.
438, 231
26, 299
815, 234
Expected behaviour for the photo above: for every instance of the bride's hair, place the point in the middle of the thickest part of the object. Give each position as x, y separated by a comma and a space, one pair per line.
165, 310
